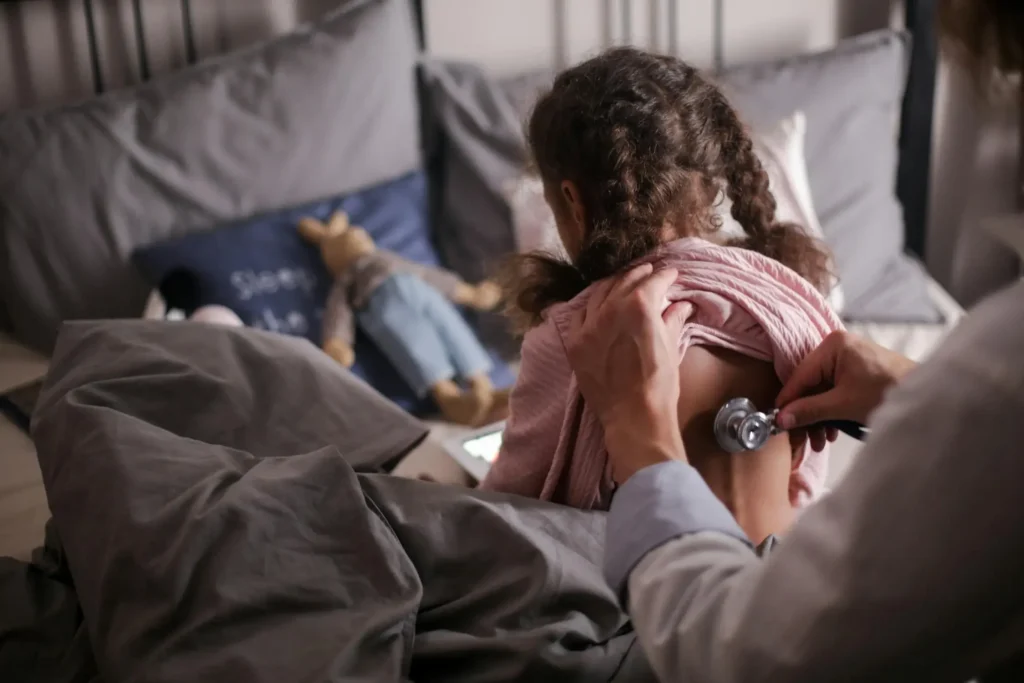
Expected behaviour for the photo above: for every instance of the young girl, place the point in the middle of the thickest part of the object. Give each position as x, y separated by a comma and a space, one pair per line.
634, 150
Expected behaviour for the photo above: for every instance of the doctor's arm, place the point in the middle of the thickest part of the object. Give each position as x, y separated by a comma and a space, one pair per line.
909, 570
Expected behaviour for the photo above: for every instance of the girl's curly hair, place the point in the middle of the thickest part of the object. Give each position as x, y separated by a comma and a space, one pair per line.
648, 142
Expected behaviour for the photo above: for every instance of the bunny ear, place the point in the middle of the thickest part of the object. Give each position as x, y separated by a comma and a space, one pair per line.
338, 223
312, 229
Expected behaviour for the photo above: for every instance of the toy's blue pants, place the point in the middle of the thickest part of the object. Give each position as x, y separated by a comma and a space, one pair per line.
421, 333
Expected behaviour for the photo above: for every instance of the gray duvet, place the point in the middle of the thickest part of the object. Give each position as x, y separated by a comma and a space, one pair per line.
218, 515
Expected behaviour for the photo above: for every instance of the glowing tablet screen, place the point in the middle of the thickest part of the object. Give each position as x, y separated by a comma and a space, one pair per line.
484, 447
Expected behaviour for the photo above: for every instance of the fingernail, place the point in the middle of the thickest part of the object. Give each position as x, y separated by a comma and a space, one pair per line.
786, 421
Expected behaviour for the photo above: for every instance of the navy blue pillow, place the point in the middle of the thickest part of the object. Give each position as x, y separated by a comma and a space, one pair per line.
264, 271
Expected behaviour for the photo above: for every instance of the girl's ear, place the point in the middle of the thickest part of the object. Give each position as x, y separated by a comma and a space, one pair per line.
573, 226
577, 213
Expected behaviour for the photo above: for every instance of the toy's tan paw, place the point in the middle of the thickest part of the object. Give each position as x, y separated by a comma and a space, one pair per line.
486, 296
340, 352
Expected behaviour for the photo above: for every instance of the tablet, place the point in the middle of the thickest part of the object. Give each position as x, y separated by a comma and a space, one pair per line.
477, 450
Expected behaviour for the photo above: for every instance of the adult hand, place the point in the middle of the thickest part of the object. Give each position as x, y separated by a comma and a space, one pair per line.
845, 378
626, 360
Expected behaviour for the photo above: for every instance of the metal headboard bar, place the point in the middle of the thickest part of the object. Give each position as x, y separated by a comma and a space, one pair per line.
140, 40
561, 26
1020, 149
719, 34
142, 52
655, 26
94, 49
916, 121
191, 54
421, 24
626, 8
673, 27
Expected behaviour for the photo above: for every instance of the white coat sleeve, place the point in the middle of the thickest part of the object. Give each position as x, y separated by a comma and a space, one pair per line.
912, 569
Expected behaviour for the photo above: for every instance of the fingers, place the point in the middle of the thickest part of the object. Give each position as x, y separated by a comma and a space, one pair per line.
616, 287
649, 295
576, 322
654, 289
818, 440
631, 280
604, 290
797, 440
815, 370
674, 319
814, 438
812, 409
643, 282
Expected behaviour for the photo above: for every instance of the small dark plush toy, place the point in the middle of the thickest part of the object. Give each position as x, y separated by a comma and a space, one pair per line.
407, 310
177, 298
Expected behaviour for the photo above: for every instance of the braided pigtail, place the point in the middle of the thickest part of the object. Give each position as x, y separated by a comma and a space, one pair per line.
645, 141
753, 207
624, 225
607, 127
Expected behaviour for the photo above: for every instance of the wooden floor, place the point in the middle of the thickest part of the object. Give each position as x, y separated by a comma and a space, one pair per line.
23, 508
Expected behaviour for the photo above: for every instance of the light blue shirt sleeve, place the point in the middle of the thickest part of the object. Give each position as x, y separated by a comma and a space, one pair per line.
656, 505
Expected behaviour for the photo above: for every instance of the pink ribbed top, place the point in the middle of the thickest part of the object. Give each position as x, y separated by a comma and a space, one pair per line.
553, 446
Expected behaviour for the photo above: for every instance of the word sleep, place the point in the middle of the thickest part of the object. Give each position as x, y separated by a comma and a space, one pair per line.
292, 323
249, 283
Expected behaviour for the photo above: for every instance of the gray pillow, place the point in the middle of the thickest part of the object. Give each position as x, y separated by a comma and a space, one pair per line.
851, 96
899, 295
483, 148
327, 109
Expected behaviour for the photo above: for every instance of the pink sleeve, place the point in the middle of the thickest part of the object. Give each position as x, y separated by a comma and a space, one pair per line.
536, 412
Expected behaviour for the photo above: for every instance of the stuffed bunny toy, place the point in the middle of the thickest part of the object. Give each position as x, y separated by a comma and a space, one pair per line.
406, 309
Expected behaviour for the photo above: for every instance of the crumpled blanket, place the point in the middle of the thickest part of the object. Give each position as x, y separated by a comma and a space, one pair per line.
214, 519
553, 445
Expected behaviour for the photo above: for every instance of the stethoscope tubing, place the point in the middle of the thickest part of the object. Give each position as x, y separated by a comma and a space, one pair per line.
848, 427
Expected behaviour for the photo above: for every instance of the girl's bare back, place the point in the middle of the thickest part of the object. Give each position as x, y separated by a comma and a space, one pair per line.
753, 485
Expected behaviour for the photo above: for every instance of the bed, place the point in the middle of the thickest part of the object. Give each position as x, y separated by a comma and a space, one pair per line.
128, 584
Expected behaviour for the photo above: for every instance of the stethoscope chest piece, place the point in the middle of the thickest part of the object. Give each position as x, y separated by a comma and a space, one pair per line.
739, 426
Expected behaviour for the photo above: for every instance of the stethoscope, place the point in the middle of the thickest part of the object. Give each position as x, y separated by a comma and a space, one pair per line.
740, 426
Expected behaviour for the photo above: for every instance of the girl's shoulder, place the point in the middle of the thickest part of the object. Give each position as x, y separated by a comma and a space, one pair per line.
543, 338
556, 320
543, 352
544, 371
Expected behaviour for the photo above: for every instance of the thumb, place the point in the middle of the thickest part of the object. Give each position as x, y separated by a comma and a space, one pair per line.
811, 410
675, 317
